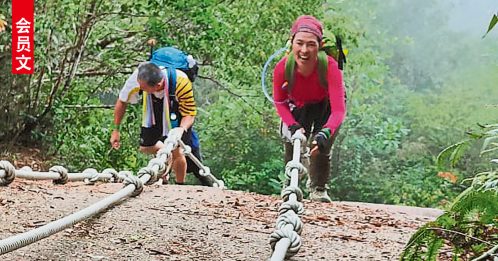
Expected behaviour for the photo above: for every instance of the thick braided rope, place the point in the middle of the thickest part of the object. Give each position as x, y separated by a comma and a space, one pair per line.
29, 237
133, 180
159, 164
9, 173
295, 206
26, 168
292, 219
163, 153
294, 165
116, 178
290, 190
289, 225
92, 176
203, 170
148, 171
62, 173
291, 235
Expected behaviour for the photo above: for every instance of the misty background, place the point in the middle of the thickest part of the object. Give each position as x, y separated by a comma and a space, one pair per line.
436, 48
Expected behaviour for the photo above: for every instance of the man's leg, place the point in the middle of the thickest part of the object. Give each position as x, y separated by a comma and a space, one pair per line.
179, 166
152, 149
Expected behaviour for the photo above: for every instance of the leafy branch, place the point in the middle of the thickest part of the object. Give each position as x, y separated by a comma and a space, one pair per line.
231, 92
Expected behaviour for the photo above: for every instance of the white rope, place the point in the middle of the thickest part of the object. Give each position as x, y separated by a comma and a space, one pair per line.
29, 237
59, 175
133, 186
7, 173
204, 170
285, 241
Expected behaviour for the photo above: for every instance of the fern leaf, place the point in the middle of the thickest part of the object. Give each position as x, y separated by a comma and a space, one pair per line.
433, 248
448, 154
485, 202
487, 141
417, 241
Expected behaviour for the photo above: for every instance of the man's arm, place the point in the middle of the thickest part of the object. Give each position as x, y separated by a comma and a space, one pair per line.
187, 122
186, 102
119, 112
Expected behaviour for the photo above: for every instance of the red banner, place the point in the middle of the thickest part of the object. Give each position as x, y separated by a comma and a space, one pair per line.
23, 28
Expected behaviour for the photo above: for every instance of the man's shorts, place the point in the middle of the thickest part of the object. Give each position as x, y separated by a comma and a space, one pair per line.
150, 136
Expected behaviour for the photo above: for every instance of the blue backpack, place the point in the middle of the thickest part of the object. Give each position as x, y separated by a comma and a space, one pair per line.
171, 58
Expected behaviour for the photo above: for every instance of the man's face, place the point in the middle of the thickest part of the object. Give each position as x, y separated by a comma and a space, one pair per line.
147, 88
305, 48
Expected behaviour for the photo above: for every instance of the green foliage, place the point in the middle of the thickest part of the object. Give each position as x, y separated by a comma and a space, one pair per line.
470, 224
469, 227
488, 134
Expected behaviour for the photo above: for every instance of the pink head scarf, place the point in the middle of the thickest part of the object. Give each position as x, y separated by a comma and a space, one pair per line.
309, 24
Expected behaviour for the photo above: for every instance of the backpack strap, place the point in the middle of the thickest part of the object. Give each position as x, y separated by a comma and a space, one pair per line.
323, 68
171, 81
290, 66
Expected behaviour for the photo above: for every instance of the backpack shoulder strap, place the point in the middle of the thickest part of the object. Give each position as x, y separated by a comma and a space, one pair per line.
290, 66
171, 80
323, 67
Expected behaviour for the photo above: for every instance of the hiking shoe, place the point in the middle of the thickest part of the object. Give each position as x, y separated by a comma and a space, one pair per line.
319, 195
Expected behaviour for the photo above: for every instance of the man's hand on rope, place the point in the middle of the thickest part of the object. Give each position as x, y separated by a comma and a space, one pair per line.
321, 140
177, 132
115, 139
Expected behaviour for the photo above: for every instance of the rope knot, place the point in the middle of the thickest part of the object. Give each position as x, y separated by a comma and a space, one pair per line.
291, 235
92, 176
297, 207
292, 219
148, 171
187, 150
159, 164
9, 173
206, 171
289, 190
133, 180
295, 165
124, 174
115, 175
164, 152
62, 173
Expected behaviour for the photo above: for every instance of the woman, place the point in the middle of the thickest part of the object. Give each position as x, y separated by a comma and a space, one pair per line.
307, 105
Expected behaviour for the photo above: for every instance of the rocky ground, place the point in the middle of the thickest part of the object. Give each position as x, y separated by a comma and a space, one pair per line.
170, 222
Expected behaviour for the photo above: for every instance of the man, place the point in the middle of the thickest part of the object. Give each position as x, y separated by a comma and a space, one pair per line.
306, 105
163, 111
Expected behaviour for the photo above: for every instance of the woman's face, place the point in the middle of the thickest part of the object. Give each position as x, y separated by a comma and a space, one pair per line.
305, 49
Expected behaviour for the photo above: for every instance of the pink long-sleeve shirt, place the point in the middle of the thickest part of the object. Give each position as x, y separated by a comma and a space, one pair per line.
307, 89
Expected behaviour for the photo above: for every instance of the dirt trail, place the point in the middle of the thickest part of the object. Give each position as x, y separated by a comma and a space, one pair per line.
197, 223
